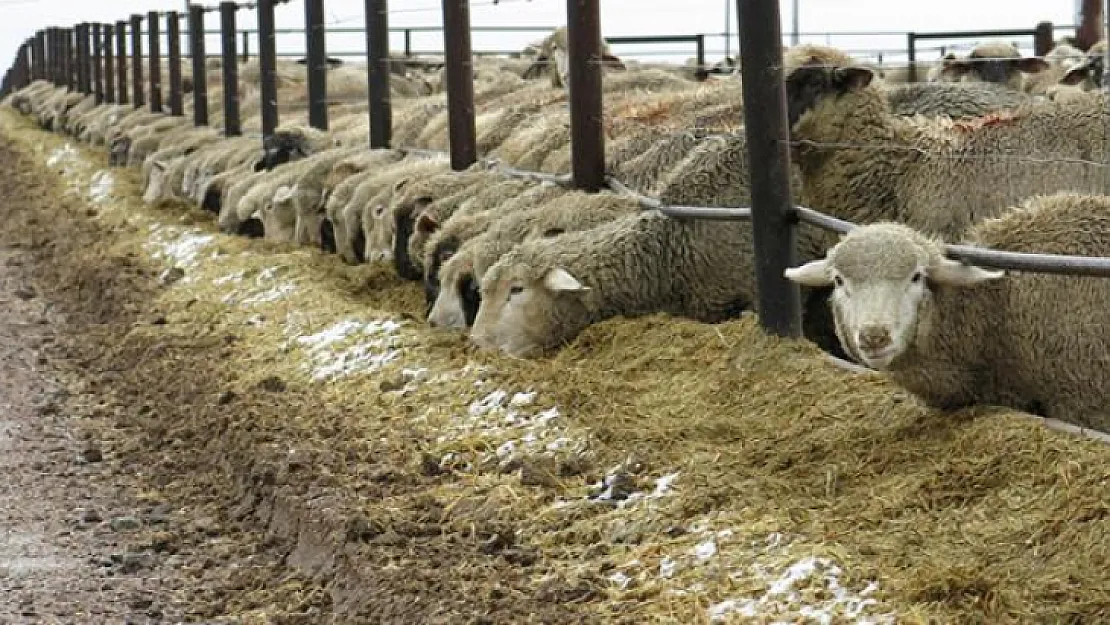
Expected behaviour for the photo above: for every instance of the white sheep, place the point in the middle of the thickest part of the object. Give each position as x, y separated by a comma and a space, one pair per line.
957, 334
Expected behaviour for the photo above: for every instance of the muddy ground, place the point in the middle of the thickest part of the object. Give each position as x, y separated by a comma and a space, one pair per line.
102, 521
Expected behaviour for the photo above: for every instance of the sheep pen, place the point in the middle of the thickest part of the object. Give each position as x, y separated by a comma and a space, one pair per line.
655, 470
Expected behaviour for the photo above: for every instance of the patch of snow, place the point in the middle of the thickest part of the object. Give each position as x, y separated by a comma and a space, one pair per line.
521, 400
620, 579
100, 187
376, 346
181, 247
63, 155
705, 550
667, 568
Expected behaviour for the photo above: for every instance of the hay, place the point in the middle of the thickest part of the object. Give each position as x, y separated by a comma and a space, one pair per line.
657, 469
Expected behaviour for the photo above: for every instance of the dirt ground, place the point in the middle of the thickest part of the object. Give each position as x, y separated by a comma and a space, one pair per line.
98, 524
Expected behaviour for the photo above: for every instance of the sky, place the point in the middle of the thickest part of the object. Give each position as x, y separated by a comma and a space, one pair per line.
20, 19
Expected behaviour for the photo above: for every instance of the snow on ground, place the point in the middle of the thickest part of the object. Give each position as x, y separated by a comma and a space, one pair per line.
100, 187
332, 354
180, 246
778, 578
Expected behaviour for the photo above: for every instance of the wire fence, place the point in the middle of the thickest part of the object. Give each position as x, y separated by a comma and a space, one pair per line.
95, 59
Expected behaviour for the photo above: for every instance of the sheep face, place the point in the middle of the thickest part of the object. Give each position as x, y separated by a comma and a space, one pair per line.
808, 85
522, 314
1087, 76
456, 298
883, 278
987, 65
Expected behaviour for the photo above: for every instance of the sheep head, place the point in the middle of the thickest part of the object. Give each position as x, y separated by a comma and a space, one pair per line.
997, 63
1087, 75
528, 307
811, 83
884, 277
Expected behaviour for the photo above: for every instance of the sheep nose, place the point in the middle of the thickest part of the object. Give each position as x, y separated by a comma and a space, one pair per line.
873, 337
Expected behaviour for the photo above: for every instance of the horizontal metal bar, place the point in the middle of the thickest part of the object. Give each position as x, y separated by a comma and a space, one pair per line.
1037, 263
967, 34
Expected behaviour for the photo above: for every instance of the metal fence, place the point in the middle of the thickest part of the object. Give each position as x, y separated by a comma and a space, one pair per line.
81, 58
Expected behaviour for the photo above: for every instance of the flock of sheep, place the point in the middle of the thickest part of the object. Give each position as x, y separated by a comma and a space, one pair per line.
996, 149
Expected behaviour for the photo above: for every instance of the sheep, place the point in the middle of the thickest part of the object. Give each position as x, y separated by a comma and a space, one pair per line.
312, 191
545, 291
167, 165
473, 205
290, 142
642, 172
364, 228
410, 199
956, 334
956, 100
996, 62
861, 163
553, 59
216, 168
555, 211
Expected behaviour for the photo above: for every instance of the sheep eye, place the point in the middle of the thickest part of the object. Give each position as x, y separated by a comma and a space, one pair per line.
838, 281
917, 276
515, 290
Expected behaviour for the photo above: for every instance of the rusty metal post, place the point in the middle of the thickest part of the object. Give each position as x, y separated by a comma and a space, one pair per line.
200, 69
121, 61
97, 63
377, 63
460, 83
84, 84
230, 70
317, 64
173, 50
38, 56
137, 61
70, 52
267, 63
154, 56
1043, 38
587, 143
773, 220
109, 64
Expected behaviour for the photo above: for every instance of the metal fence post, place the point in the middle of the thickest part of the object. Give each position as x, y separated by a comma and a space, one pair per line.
121, 61
765, 118
173, 50
97, 60
230, 70
84, 84
246, 46
38, 56
137, 60
377, 62
200, 68
267, 63
154, 56
408, 42
1043, 38
460, 83
69, 50
911, 56
317, 64
587, 144
109, 65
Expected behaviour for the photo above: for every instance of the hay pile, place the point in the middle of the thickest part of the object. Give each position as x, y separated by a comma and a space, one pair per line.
657, 470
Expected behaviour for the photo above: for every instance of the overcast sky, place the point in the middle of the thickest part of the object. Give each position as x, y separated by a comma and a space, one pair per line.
20, 19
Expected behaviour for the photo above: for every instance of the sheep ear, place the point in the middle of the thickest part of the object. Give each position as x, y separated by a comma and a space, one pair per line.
814, 273
1075, 75
954, 273
955, 67
612, 62
283, 193
558, 279
852, 78
1031, 64
158, 164
426, 224
535, 70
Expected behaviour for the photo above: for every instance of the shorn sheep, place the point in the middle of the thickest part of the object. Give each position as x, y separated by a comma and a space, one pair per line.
957, 335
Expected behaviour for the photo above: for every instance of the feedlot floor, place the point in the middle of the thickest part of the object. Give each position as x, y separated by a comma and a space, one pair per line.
289, 442
97, 525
